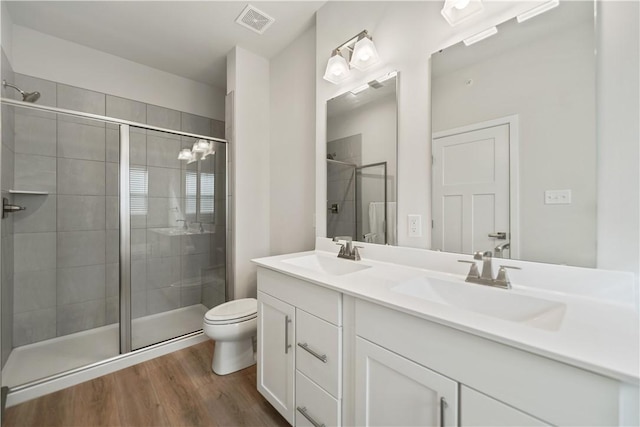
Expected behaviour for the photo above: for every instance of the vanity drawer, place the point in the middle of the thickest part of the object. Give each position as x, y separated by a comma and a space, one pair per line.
318, 351
315, 299
315, 403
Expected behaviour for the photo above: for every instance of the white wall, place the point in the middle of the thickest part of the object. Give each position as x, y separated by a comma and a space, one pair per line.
40, 55
248, 78
292, 150
549, 83
618, 127
405, 34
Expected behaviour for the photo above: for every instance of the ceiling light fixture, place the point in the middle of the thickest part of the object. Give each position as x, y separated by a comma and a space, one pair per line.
548, 5
480, 36
360, 51
457, 11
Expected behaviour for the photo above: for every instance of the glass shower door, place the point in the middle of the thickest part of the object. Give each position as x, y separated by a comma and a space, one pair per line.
178, 239
60, 289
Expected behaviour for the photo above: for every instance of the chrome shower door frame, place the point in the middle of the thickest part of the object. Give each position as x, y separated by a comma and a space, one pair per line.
124, 206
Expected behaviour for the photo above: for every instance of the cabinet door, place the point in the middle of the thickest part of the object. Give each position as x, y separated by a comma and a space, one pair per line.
276, 353
394, 391
477, 409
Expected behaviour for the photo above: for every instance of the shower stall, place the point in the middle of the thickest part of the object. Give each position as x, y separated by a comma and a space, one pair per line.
114, 232
358, 202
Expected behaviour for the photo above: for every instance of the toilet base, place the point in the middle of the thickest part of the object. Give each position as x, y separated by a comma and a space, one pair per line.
232, 356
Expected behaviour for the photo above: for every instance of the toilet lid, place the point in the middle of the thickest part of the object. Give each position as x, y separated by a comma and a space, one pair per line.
235, 309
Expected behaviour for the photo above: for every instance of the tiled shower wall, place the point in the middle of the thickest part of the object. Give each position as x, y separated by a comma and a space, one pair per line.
341, 185
66, 242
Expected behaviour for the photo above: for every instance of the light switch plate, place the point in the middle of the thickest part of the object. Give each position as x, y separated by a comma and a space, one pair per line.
557, 197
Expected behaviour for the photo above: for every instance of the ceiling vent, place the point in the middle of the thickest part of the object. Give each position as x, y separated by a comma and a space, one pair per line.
254, 19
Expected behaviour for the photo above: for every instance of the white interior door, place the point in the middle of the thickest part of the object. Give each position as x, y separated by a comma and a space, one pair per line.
471, 190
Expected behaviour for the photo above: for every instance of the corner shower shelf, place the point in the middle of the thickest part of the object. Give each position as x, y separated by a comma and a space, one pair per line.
35, 193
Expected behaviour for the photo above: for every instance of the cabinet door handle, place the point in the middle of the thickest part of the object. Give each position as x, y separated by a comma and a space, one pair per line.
321, 357
303, 411
287, 346
443, 406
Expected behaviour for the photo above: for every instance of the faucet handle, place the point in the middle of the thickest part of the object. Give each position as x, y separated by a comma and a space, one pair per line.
356, 253
477, 255
502, 277
473, 270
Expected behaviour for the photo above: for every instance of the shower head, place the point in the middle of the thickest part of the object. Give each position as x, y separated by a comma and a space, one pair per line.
26, 96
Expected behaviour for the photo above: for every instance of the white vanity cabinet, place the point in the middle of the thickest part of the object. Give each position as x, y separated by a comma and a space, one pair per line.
499, 384
394, 391
276, 369
300, 349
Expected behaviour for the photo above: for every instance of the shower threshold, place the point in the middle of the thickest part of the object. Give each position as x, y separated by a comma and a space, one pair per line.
45, 358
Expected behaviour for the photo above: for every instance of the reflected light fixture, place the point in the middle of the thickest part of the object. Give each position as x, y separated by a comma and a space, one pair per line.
359, 50
199, 151
457, 11
480, 36
548, 5
185, 154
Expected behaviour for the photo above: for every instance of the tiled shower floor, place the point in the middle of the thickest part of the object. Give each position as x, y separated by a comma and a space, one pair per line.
46, 358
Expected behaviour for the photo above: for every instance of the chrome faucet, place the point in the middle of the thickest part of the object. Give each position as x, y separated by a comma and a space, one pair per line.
347, 250
499, 250
486, 278
185, 224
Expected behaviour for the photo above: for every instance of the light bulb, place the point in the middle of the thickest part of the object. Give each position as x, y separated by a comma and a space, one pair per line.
461, 4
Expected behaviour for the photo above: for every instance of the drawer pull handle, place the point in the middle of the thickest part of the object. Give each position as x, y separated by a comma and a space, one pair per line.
304, 413
287, 346
305, 346
443, 406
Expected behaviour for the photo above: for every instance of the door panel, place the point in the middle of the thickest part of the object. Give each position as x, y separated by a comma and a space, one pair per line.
394, 391
470, 189
276, 353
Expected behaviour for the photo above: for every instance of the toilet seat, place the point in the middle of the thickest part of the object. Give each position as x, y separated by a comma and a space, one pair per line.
235, 311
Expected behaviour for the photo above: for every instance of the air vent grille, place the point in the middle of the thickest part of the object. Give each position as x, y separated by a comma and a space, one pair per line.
254, 19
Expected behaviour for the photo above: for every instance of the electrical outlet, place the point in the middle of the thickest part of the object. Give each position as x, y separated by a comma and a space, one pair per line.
415, 225
557, 197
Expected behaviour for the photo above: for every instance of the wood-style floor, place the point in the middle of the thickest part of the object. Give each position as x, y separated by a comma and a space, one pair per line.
178, 389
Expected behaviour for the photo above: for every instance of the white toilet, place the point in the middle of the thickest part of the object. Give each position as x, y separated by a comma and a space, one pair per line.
232, 326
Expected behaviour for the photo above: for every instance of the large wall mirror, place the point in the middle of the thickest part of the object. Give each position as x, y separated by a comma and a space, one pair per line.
361, 162
514, 141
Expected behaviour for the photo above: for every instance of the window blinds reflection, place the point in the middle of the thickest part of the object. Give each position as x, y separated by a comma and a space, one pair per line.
138, 188
206, 207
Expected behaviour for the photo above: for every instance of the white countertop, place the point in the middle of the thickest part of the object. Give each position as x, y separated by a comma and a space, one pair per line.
599, 335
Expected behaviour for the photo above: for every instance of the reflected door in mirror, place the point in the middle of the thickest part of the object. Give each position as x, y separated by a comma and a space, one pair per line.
471, 190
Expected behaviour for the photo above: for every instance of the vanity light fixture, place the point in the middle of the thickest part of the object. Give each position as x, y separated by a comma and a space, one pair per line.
548, 5
337, 68
360, 51
457, 11
200, 146
364, 53
480, 36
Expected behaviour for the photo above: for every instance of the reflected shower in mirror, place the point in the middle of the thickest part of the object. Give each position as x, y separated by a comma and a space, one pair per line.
514, 141
361, 162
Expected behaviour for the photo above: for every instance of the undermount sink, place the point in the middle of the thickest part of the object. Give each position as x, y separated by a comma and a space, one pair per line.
499, 303
327, 265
